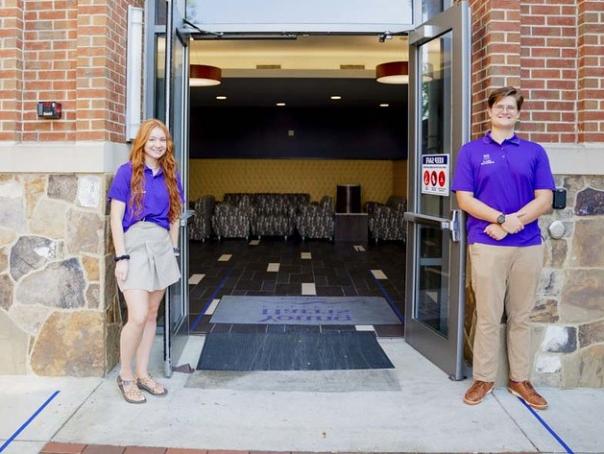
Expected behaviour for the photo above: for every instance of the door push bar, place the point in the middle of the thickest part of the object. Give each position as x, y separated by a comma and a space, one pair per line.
453, 224
186, 217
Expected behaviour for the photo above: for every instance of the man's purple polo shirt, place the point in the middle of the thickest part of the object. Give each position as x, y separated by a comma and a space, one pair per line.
156, 200
504, 177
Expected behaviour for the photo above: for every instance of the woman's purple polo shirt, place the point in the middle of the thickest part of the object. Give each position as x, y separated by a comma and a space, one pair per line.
156, 199
505, 177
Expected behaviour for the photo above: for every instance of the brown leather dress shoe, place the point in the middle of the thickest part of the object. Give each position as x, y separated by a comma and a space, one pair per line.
525, 390
478, 391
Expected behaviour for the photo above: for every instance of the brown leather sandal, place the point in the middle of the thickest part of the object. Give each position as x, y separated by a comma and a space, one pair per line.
130, 391
151, 386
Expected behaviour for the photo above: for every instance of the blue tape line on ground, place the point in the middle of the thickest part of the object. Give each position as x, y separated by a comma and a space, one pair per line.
393, 306
27, 423
210, 299
547, 427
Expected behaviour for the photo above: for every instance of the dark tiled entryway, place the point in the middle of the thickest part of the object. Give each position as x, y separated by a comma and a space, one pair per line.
236, 267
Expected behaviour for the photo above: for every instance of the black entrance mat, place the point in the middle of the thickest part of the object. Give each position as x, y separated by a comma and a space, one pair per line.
292, 351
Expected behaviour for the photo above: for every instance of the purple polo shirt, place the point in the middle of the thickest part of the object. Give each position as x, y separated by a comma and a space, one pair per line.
156, 200
505, 177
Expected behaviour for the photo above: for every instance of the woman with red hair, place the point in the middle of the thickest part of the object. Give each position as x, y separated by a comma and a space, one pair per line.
146, 199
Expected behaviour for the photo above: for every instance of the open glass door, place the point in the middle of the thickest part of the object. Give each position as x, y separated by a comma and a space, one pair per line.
439, 123
177, 116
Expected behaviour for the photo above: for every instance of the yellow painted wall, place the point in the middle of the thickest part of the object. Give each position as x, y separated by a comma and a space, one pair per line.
399, 178
378, 179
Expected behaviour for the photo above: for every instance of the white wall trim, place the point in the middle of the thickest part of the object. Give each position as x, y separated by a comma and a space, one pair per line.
134, 72
105, 157
62, 157
576, 158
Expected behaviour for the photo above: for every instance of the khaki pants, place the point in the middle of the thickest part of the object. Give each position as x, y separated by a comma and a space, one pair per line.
504, 277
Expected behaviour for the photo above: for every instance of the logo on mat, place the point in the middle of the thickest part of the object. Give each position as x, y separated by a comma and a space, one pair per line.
486, 160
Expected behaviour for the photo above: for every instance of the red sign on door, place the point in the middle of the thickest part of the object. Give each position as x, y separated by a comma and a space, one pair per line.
435, 174
442, 179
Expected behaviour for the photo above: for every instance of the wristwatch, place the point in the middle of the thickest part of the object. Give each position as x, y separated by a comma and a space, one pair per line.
501, 219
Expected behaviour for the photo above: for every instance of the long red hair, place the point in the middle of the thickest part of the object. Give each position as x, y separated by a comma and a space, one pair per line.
167, 163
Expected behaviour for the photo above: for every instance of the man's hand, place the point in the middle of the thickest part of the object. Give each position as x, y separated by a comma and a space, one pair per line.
496, 231
512, 223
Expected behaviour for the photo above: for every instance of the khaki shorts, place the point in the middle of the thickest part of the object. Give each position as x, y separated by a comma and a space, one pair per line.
152, 265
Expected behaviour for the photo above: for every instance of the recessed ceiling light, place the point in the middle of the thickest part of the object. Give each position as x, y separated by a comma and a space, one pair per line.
384, 104
280, 104
221, 98
336, 97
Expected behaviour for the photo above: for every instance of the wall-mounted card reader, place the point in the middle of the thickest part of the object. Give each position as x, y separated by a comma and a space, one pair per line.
50, 110
559, 202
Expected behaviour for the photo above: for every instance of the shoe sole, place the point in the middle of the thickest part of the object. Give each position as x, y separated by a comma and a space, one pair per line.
535, 406
476, 402
150, 391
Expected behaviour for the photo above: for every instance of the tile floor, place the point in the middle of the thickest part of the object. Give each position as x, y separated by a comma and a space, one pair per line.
275, 267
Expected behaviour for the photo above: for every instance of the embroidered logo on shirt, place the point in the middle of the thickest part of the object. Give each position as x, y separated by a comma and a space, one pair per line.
486, 160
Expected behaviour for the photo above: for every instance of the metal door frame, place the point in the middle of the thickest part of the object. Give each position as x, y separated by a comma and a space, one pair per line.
447, 353
174, 341
460, 98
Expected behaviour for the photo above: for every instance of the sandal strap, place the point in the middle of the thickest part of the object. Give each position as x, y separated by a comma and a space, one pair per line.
130, 390
148, 382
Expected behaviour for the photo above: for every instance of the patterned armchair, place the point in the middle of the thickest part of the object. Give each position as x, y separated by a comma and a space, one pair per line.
386, 222
201, 228
274, 214
316, 220
232, 217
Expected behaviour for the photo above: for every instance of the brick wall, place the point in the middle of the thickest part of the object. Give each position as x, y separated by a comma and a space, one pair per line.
69, 51
495, 53
590, 97
11, 68
554, 51
549, 70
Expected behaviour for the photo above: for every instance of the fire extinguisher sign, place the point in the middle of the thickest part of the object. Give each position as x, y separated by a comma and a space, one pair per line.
435, 174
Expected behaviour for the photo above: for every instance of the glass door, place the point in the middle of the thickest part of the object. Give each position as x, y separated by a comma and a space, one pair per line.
177, 116
439, 123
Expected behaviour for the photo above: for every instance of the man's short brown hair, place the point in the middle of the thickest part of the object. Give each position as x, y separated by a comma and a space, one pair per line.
496, 95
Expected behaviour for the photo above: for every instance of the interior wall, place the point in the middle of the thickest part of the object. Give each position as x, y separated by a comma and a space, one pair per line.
399, 178
378, 179
310, 132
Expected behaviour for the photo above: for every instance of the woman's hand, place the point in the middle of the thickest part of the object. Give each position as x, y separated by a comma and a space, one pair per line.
121, 270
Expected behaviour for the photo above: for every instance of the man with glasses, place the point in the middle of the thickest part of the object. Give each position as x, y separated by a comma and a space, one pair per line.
503, 183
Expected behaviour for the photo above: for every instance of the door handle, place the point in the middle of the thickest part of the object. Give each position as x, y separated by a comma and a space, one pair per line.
186, 217
433, 221
453, 224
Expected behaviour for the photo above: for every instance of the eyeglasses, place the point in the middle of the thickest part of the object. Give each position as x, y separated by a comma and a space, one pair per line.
501, 108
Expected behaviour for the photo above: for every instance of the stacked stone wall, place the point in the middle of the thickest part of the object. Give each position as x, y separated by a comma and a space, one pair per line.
569, 315
55, 296
57, 290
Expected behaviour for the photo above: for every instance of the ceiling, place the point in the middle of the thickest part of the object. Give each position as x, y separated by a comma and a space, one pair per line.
304, 72
299, 92
318, 53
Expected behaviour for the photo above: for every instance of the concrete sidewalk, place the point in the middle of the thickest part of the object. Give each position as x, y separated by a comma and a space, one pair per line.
413, 408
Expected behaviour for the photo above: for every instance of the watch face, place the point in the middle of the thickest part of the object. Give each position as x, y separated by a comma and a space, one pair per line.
500, 219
